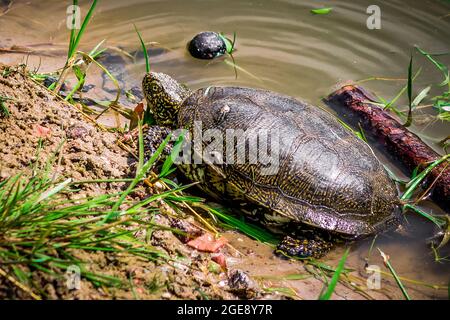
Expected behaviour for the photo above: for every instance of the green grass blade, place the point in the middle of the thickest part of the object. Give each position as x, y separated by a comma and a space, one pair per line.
148, 118
359, 134
138, 177
144, 50
414, 183
436, 220
410, 80
158, 196
229, 45
3, 109
422, 95
95, 52
322, 10
334, 280
166, 168
54, 190
229, 48
77, 86
251, 230
82, 29
390, 104
409, 86
106, 71
394, 274
141, 147
234, 41
236, 66
72, 33
442, 67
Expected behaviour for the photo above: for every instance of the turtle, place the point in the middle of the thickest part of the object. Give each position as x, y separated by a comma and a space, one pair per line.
328, 184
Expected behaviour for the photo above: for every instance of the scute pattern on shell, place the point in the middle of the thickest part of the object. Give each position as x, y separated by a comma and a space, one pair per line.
327, 177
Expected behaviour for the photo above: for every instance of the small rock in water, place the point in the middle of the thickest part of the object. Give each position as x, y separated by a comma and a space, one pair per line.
207, 45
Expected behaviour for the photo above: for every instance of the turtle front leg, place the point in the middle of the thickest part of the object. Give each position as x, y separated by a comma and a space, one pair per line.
153, 138
304, 247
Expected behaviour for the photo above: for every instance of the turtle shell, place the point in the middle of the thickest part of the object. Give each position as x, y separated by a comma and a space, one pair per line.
326, 177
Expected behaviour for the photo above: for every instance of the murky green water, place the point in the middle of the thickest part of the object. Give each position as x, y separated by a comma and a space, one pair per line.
282, 47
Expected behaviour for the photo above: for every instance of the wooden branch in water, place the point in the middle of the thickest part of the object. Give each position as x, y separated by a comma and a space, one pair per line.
398, 142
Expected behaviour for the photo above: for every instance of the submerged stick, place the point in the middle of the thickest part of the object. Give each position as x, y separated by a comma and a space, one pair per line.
398, 142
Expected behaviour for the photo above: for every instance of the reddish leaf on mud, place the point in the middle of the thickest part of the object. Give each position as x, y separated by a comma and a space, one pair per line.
219, 258
138, 113
207, 243
139, 109
42, 132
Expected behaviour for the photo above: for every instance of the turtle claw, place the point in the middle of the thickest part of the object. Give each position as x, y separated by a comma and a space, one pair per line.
303, 247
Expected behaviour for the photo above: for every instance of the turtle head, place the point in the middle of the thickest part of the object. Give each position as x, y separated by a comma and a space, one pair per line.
164, 97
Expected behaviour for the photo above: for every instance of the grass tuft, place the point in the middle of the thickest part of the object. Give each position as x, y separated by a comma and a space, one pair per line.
40, 227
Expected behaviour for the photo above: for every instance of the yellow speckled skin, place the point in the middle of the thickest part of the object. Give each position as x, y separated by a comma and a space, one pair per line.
164, 97
328, 178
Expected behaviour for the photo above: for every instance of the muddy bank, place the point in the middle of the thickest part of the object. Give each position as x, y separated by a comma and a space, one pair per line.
85, 152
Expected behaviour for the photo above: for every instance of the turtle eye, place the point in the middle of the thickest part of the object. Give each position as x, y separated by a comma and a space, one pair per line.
155, 88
